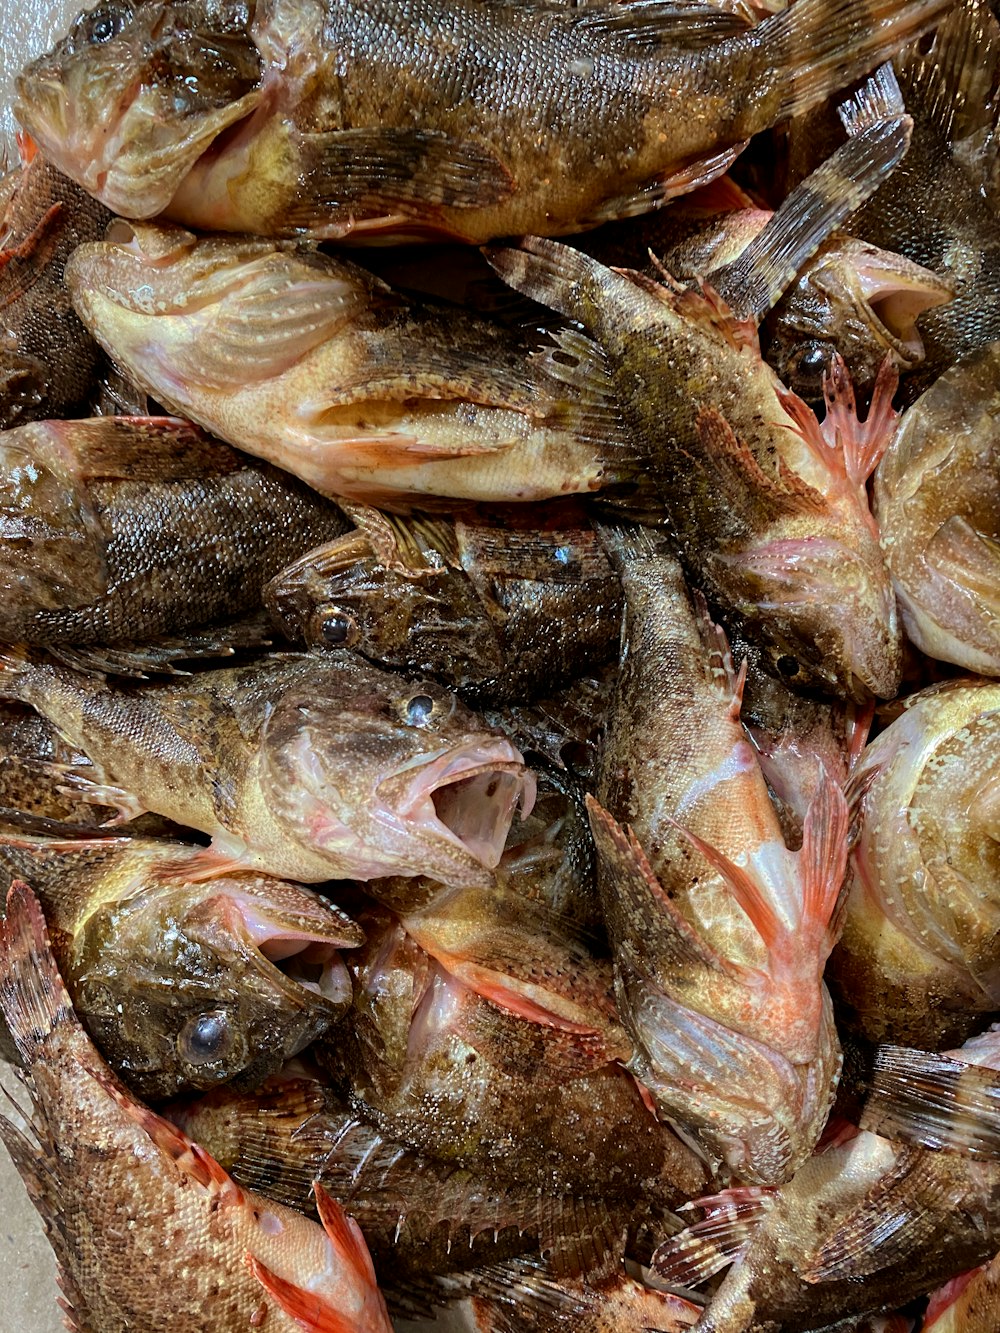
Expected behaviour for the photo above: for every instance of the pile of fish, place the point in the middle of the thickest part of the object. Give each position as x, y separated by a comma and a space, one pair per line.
500, 735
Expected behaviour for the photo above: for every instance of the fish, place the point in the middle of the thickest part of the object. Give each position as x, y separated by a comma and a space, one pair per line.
917, 960
356, 120
496, 604
308, 768
433, 1065
767, 507
719, 932
111, 1179
967, 1304
872, 1220
184, 986
47, 357
310, 362
121, 530
933, 208
936, 500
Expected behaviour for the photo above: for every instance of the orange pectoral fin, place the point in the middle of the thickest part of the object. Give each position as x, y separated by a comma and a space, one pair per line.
308, 1309
345, 1235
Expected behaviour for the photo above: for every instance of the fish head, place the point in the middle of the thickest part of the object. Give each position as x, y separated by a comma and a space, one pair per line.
344, 596
128, 101
53, 547
398, 776
188, 986
856, 299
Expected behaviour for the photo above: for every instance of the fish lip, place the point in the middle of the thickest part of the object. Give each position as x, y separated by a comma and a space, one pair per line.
872, 285
476, 766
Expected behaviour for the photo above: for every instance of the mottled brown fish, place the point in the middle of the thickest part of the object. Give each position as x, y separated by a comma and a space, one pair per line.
498, 604
123, 529
767, 507
184, 985
148, 1230
720, 933
918, 960
361, 118
937, 500
312, 363
47, 357
305, 767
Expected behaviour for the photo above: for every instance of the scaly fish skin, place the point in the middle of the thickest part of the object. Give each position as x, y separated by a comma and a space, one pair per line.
918, 958
769, 513
47, 357
184, 986
360, 117
937, 497
124, 529
312, 363
149, 1231
304, 767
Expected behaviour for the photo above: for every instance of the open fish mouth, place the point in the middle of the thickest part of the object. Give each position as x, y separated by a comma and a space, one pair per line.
468, 795
890, 297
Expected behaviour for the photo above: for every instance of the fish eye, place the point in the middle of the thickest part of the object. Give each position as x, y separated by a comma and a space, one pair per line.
788, 667
103, 24
205, 1038
811, 361
337, 628
419, 710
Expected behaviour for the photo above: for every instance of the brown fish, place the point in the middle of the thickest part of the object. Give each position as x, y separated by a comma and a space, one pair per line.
47, 357
124, 529
312, 363
967, 1304
720, 933
498, 604
360, 119
184, 985
767, 507
937, 497
304, 767
111, 1179
918, 959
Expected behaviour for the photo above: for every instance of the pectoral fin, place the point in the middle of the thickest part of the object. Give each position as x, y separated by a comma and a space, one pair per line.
934, 1100
968, 558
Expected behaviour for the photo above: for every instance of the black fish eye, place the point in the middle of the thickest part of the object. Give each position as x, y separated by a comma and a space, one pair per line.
205, 1038
337, 628
419, 710
103, 24
788, 667
812, 360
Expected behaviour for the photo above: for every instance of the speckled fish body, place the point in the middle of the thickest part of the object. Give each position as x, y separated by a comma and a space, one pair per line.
768, 509
967, 1304
47, 357
357, 117
112, 1179
123, 529
437, 1067
304, 767
918, 959
500, 604
314, 364
937, 498
720, 932
184, 986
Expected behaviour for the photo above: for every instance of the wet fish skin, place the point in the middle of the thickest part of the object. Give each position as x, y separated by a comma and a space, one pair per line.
125, 529
47, 357
99, 1158
498, 605
917, 961
184, 986
936, 500
304, 767
310, 362
770, 516
359, 119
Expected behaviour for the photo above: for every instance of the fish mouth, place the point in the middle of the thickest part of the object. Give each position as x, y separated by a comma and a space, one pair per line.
890, 297
466, 795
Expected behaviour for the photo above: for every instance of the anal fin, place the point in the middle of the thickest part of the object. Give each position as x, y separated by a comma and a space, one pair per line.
708, 1246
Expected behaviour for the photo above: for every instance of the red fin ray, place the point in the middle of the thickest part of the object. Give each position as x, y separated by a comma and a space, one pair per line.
822, 860
765, 920
860, 443
313, 1312
345, 1235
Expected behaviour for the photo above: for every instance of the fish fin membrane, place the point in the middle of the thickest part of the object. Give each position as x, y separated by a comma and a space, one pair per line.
764, 919
693, 175
737, 473
577, 363
314, 1313
826, 44
896, 1219
552, 274
398, 542
822, 860
579, 1238
968, 558
707, 1247
166, 656
33, 998
652, 23
878, 99
629, 543
345, 1236
153, 449
755, 281
860, 443
369, 166
934, 1100
623, 864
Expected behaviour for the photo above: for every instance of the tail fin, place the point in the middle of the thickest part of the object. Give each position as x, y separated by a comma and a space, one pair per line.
32, 995
826, 44
547, 272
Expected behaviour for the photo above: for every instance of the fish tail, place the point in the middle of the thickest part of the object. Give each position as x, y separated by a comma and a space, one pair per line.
826, 44
17, 667
33, 998
554, 275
